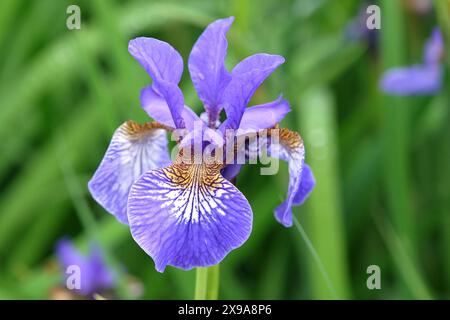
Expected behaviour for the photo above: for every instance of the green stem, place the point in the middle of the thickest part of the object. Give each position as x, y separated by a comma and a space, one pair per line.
324, 221
207, 283
397, 129
213, 283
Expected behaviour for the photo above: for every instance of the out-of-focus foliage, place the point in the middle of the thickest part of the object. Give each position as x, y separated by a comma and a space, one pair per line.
381, 163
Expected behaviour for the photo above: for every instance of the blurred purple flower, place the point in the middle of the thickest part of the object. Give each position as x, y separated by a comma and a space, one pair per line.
422, 79
190, 215
94, 273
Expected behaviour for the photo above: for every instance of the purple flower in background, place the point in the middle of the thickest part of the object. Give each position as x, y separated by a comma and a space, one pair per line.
94, 274
188, 213
422, 79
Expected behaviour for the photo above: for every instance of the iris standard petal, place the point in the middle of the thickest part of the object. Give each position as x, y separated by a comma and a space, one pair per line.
414, 80
134, 150
207, 65
264, 116
158, 58
188, 215
165, 66
247, 76
164, 102
157, 108
175, 100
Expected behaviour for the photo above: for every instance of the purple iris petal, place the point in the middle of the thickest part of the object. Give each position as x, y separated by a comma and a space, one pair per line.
159, 59
264, 116
434, 48
188, 216
134, 149
247, 76
231, 171
198, 133
157, 108
307, 184
207, 67
165, 66
288, 146
415, 80
190, 118
175, 101
94, 274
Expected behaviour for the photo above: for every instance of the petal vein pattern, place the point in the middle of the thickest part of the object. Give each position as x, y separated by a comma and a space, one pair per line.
188, 215
134, 150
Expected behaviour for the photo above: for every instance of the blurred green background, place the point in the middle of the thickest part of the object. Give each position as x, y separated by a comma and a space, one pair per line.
381, 163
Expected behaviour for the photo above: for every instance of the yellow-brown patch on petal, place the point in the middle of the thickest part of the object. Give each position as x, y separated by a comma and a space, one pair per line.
136, 130
195, 175
290, 139
287, 138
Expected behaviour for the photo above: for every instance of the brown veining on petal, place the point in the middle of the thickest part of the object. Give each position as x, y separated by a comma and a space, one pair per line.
136, 130
290, 139
194, 175
190, 156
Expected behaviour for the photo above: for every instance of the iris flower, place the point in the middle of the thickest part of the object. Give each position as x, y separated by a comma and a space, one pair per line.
95, 276
187, 213
421, 79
